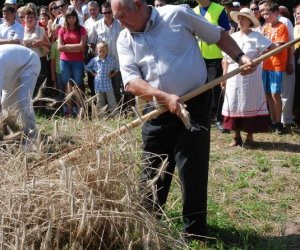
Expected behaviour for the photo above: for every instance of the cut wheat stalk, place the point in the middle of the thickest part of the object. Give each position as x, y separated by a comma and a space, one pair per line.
162, 109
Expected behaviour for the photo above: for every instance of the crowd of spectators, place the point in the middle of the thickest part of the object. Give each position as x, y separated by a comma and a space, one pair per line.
65, 37
272, 86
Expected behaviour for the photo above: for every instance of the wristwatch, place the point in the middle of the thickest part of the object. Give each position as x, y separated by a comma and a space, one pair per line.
238, 57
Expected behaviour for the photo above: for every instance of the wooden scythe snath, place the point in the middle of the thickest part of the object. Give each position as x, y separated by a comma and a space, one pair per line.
135, 123
191, 94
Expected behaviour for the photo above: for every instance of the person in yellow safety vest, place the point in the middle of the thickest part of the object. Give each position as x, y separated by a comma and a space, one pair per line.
215, 14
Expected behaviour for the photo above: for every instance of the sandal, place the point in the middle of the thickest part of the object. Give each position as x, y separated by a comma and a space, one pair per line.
237, 141
249, 143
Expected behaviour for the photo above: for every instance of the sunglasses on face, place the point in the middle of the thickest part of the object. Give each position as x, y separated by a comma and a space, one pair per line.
60, 6
55, 8
107, 12
254, 9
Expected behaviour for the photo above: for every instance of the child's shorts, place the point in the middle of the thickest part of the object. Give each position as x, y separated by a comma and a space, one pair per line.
272, 81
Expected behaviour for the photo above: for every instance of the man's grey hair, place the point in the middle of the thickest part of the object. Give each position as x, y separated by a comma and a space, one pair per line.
130, 3
93, 4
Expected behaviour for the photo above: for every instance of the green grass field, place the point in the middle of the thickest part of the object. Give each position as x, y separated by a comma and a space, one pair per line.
254, 196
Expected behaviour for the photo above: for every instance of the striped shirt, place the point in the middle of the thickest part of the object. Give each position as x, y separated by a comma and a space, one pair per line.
102, 67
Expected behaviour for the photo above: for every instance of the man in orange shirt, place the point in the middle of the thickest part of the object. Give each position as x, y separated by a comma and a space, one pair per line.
275, 66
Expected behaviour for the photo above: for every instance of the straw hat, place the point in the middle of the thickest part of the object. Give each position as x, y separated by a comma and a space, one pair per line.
246, 13
10, 2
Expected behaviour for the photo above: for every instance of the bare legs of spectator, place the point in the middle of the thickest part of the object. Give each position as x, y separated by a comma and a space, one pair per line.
275, 108
237, 140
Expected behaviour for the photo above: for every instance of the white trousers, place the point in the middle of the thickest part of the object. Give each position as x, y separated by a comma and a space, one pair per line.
287, 97
19, 99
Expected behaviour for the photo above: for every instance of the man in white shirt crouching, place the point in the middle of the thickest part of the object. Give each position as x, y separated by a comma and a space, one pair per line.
19, 71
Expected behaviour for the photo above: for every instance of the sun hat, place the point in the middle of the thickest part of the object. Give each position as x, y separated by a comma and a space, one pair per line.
236, 4
227, 3
246, 13
10, 2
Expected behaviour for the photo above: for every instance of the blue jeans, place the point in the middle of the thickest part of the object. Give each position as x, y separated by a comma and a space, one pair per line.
73, 70
60, 86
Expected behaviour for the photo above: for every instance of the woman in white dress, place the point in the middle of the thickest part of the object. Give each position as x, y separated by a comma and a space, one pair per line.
245, 107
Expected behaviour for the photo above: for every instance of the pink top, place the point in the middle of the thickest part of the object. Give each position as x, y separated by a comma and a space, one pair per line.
71, 37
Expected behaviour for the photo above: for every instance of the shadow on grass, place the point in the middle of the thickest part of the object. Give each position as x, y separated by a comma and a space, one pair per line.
46, 113
283, 146
232, 238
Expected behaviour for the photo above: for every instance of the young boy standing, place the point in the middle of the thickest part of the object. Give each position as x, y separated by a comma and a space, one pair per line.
104, 67
275, 66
